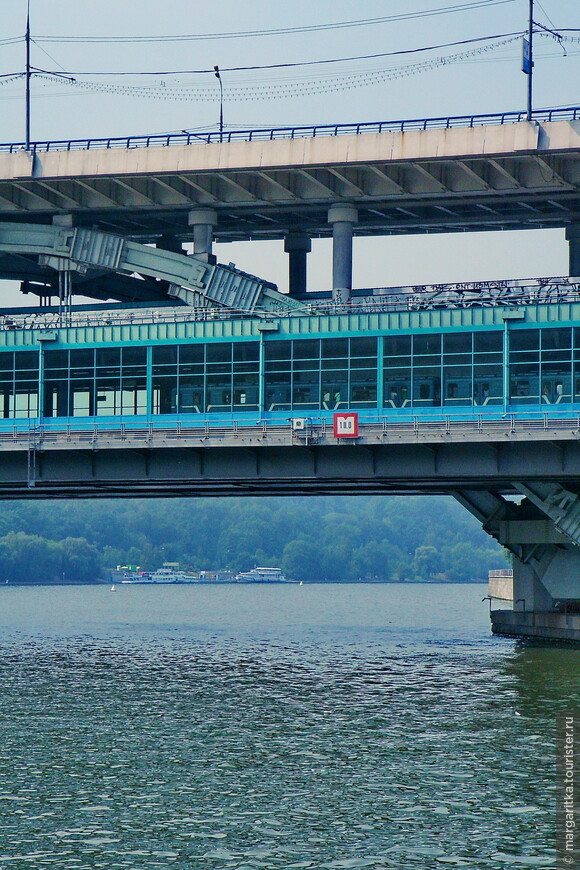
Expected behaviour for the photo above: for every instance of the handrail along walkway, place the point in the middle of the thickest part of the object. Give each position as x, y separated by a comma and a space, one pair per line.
318, 429
305, 132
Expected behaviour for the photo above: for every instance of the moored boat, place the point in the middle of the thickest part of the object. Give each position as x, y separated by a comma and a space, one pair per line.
164, 575
262, 575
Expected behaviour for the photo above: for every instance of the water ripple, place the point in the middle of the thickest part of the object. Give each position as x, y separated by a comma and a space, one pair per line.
136, 752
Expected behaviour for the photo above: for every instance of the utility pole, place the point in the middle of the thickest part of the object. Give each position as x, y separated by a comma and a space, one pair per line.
27, 76
219, 78
530, 60
528, 54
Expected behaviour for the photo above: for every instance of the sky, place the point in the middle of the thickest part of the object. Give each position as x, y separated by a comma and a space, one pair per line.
91, 41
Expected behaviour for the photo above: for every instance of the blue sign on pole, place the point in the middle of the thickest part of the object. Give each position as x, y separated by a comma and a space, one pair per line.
526, 56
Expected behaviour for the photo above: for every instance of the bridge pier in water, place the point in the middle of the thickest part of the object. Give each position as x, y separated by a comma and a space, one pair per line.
542, 533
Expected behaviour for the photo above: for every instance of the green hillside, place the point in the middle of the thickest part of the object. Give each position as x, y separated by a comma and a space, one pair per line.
323, 538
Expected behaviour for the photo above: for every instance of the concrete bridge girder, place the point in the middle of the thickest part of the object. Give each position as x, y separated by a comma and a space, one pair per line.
558, 503
481, 161
542, 532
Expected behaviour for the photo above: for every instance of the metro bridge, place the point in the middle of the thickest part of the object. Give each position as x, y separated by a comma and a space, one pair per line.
479, 400
213, 382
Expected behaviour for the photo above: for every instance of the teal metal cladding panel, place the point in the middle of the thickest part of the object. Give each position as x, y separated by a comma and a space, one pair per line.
448, 374
98, 330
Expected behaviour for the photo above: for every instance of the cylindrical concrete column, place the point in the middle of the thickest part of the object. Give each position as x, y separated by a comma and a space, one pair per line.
203, 220
297, 246
343, 218
573, 237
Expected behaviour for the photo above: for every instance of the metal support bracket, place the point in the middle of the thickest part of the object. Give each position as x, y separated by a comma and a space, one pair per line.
557, 503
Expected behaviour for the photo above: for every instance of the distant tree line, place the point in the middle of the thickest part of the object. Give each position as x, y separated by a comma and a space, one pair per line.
31, 558
322, 538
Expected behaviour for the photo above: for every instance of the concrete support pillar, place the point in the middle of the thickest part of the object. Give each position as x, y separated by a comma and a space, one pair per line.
543, 534
343, 218
297, 246
530, 594
573, 237
203, 220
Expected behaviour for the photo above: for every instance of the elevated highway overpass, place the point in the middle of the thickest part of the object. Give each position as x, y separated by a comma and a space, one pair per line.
444, 175
492, 172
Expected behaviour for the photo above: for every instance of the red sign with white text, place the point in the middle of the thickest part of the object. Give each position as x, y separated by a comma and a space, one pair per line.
346, 425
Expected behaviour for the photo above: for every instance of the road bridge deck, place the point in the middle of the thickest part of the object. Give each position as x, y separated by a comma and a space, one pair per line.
496, 176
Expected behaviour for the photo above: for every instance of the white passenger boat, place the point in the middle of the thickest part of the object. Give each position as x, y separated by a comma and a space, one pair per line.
262, 575
163, 575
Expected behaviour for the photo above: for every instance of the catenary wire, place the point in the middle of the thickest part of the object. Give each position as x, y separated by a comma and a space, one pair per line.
287, 89
293, 64
365, 22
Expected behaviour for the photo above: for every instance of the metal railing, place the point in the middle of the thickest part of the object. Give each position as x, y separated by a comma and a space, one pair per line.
305, 132
317, 429
541, 291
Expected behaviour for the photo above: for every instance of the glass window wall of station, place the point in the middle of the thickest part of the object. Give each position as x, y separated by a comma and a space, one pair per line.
19, 372
212, 378
544, 366
320, 374
419, 372
95, 382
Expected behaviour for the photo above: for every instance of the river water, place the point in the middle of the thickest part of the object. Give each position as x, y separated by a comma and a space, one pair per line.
315, 726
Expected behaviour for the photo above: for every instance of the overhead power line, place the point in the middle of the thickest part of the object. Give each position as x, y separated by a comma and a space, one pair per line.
308, 28
293, 64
